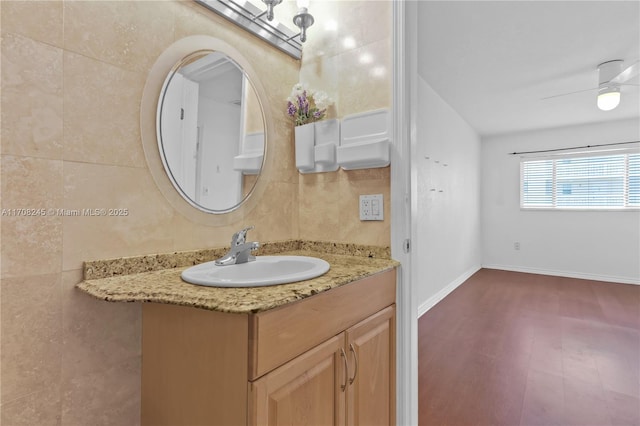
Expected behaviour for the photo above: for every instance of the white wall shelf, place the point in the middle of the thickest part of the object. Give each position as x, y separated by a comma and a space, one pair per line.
249, 161
365, 140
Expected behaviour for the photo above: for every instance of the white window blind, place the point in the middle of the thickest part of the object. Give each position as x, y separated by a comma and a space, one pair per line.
537, 183
633, 180
581, 182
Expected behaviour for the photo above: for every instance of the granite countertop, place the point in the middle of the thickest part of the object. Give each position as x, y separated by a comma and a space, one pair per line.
156, 278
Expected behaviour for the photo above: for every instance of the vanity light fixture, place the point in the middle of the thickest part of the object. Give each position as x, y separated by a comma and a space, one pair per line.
250, 16
303, 19
270, 5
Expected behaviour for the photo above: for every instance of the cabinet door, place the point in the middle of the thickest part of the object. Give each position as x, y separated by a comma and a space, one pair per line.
305, 391
371, 350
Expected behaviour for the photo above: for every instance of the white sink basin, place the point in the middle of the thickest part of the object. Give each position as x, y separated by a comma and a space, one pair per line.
265, 270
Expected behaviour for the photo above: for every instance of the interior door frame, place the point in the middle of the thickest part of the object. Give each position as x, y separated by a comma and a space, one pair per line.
404, 206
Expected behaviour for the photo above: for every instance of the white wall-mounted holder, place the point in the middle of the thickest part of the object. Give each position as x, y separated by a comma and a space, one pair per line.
249, 161
365, 140
316, 145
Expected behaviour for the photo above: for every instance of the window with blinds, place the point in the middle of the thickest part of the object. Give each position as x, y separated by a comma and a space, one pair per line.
581, 182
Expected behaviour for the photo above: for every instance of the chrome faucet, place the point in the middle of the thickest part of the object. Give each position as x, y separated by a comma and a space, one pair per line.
240, 251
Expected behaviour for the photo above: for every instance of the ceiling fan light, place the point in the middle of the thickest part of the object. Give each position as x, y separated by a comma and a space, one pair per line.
608, 99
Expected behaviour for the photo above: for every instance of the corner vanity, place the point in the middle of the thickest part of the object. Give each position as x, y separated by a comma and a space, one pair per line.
320, 351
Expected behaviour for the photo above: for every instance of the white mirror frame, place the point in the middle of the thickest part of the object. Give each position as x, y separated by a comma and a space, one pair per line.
165, 63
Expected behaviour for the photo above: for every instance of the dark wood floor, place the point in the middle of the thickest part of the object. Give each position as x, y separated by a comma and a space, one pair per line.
508, 348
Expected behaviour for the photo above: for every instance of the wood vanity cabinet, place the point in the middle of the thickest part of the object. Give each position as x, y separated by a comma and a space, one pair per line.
349, 379
328, 359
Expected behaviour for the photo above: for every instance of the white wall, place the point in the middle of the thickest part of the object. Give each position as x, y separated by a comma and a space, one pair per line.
448, 243
220, 184
601, 245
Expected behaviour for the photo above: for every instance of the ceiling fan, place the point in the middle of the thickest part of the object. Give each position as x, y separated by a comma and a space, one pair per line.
611, 76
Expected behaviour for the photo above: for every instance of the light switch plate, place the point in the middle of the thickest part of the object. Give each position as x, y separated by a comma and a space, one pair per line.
371, 207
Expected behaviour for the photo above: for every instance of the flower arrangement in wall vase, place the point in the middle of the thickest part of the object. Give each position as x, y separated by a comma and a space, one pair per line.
307, 107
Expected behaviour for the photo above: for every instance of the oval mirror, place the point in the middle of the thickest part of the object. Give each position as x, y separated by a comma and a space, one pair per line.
211, 131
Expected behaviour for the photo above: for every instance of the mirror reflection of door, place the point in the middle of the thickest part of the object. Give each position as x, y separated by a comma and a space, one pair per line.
203, 131
179, 130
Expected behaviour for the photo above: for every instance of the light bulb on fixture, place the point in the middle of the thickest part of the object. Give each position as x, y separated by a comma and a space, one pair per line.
608, 98
270, 5
303, 19
608, 92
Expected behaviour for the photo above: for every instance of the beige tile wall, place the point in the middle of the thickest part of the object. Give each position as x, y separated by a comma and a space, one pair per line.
72, 75
348, 55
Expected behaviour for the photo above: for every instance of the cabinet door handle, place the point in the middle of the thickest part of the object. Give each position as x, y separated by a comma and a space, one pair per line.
346, 369
355, 359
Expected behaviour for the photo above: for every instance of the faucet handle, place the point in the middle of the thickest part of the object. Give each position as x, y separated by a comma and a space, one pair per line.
240, 236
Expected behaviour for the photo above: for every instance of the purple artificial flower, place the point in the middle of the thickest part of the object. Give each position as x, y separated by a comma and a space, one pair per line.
291, 109
318, 114
306, 103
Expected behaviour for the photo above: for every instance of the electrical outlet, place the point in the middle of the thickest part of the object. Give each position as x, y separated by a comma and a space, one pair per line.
371, 207
516, 245
365, 208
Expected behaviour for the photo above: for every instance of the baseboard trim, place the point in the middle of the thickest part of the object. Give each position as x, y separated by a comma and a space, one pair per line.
433, 300
568, 274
